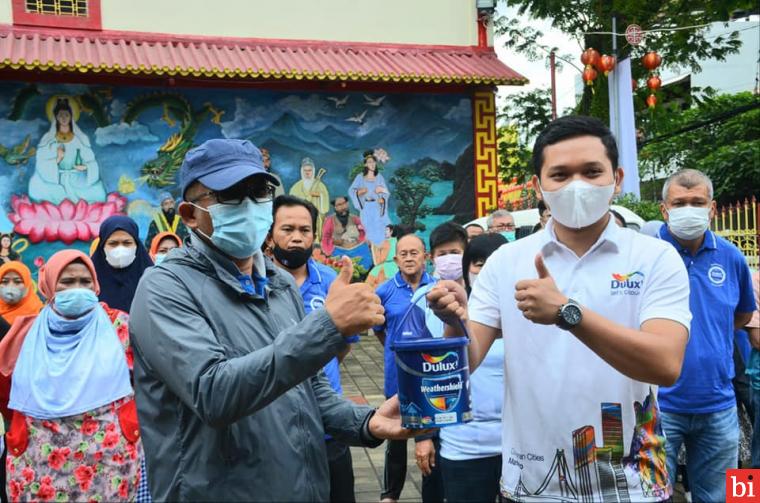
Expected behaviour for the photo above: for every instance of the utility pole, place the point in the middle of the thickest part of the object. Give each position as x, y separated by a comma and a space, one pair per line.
614, 112
553, 66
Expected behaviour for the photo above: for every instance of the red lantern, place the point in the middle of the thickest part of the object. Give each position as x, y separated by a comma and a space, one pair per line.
651, 60
589, 75
590, 57
651, 101
654, 82
606, 64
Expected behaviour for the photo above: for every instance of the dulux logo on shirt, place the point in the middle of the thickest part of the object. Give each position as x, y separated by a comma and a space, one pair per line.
627, 284
433, 363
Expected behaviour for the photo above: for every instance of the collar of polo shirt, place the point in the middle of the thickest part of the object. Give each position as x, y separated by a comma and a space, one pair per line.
609, 237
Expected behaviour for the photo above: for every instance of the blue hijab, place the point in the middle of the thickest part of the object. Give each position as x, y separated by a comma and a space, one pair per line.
117, 286
68, 367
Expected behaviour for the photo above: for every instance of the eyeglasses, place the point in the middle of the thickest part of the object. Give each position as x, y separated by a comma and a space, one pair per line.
237, 193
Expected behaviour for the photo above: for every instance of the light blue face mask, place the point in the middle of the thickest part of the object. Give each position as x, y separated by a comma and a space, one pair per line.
74, 302
508, 235
159, 258
239, 229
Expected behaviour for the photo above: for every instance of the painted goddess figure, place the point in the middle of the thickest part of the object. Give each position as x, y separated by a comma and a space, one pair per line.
369, 194
65, 163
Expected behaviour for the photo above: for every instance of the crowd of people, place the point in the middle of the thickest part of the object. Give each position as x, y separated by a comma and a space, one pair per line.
204, 364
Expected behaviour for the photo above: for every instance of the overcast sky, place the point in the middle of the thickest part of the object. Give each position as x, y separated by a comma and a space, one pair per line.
537, 72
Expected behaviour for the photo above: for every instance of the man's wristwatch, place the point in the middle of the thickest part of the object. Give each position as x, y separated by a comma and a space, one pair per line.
569, 315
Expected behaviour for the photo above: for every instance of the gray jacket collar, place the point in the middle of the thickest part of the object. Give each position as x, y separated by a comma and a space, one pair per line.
225, 270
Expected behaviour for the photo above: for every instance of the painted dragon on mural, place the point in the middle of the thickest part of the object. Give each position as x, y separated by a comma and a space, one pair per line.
161, 171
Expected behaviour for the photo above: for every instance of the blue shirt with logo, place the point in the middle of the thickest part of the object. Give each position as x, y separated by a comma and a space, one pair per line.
314, 292
396, 296
721, 286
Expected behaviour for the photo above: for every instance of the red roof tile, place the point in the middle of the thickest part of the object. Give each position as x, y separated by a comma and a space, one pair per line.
149, 54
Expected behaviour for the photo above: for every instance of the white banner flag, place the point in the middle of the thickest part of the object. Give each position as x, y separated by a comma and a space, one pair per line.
623, 124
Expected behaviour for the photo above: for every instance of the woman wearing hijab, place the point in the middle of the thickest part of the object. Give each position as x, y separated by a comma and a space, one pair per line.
162, 244
74, 433
471, 453
120, 260
17, 292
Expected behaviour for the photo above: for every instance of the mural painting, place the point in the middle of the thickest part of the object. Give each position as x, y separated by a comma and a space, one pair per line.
72, 155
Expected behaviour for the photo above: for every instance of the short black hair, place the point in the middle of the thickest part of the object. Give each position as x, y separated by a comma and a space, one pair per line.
291, 201
542, 207
479, 248
335, 200
446, 233
573, 126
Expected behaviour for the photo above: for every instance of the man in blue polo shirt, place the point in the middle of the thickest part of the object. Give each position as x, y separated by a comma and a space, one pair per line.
396, 295
700, 409
293, 227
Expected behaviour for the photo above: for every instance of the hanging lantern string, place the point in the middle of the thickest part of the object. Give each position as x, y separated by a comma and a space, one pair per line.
656, 30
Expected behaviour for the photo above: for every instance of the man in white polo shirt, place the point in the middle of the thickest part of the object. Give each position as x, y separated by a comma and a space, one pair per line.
593, 317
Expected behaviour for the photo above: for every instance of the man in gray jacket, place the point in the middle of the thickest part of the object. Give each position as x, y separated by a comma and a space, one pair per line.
230, 397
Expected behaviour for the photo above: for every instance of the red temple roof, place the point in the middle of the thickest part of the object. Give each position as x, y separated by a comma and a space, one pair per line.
234, 58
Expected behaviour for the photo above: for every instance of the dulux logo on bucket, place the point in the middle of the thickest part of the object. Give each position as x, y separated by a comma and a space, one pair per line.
433, 363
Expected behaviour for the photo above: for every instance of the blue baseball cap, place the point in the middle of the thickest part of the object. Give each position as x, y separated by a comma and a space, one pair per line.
220, 163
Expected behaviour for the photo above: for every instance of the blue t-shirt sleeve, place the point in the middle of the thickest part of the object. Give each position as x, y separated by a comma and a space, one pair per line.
746, 292
382, 292
352, 340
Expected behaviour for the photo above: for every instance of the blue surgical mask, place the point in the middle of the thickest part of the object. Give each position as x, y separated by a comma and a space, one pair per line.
159, 258
74, 302
508, 235
239, 229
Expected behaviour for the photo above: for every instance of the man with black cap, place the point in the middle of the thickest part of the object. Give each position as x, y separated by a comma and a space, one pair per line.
231, 400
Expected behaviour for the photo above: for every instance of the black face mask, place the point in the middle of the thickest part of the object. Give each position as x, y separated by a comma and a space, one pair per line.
170, 214
292, 259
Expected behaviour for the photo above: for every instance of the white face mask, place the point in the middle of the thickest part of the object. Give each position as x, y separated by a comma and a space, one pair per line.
121, 256
473, 278
688, 222
579, 204
12, 294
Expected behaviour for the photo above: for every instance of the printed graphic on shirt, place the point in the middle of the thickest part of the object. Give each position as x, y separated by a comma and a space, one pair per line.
603, 473
716, 274
316, 302
627, 284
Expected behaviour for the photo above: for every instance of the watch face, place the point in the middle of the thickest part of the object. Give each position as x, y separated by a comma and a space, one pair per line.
572, 314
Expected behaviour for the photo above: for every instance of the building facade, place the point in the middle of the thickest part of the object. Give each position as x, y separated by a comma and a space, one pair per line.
100, 100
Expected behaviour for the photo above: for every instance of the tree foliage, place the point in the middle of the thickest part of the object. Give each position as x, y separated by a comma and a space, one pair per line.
411, 191
724, 144
528, 113
582, 19
648, 210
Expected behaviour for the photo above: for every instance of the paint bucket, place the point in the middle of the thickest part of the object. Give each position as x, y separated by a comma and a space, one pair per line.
433, 371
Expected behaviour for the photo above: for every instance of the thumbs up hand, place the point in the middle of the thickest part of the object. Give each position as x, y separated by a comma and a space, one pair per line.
354, 308
539, 299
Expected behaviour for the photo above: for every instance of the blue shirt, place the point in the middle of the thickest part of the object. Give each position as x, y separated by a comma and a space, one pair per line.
721, 286
395, 295
314, 292
253, 285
